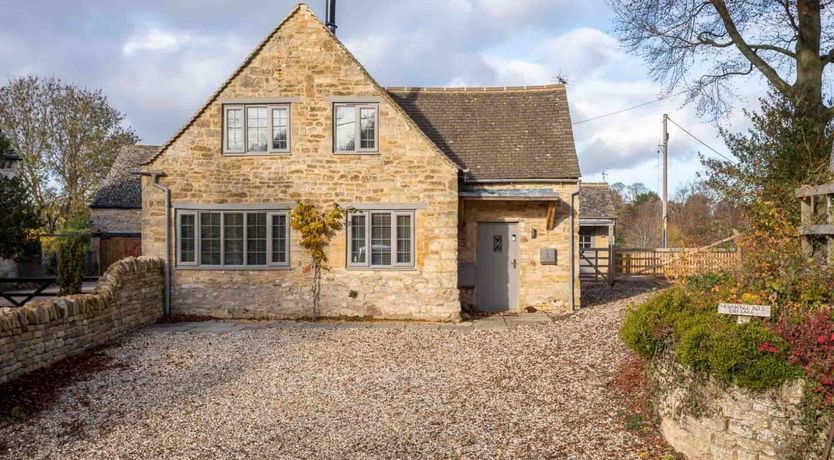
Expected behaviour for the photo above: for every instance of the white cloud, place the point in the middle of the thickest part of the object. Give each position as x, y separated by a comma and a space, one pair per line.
509, 72
515, 11
155, 40
581, 53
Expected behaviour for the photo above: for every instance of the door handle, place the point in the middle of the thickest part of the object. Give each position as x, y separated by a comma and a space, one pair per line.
514, 264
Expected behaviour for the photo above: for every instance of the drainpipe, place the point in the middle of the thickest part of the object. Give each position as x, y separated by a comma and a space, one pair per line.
573, 251
155, 175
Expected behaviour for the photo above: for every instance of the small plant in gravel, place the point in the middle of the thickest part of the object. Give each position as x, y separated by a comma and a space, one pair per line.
316, 228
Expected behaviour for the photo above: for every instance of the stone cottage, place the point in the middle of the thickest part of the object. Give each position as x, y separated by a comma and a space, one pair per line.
460, 197
116, 208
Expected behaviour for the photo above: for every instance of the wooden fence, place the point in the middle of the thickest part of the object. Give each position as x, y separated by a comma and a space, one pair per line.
617, 263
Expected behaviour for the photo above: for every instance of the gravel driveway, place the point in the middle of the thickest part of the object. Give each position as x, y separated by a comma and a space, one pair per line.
533, 391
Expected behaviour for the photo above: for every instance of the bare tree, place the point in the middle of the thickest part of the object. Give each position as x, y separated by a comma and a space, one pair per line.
703, 46
84, 136
23, 108
67, 138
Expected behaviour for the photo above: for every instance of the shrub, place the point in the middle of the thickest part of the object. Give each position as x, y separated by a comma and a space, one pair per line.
646, 328
695, 336
749, 355
70, 266
811, 339
707, 281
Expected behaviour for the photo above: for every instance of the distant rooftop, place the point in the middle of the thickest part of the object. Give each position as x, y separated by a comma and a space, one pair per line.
596, 201
121, 188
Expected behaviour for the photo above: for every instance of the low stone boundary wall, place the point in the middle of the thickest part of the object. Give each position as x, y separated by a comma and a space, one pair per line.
708, 420
128, 296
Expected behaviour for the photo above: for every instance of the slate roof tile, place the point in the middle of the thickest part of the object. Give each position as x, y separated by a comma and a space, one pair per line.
497, 133
596, 200
121, 188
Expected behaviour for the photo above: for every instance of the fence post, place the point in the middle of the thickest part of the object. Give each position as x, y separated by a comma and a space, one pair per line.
611, 266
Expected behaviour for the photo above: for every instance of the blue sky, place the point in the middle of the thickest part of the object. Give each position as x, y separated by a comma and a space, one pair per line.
159, 60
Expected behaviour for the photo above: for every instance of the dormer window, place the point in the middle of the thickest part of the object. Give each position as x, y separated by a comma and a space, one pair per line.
256, 128
355, 128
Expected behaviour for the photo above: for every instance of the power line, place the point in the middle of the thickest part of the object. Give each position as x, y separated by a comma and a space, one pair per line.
663, 98
699, 140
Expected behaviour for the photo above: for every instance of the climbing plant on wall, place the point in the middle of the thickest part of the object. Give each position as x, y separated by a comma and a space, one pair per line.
316, 228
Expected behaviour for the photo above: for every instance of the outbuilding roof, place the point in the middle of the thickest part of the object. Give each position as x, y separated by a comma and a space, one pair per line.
121, 188
502, 133
596, 201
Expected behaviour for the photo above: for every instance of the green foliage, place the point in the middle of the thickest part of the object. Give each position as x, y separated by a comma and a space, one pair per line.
18, 217
707, 281
647, 328
749, 355
71, 266
782, 151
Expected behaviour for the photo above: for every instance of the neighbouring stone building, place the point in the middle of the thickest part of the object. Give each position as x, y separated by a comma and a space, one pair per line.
116, 208
597, 228
458, 196
598, 221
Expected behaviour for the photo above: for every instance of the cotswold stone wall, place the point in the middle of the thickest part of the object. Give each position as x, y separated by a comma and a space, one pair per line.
128, 296
545, 287
708, 420
304, 62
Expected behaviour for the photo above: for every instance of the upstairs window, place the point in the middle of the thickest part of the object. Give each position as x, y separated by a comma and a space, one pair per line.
355, 128
381, 239
256, 128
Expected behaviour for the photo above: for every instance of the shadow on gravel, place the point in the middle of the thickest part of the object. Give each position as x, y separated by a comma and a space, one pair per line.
31, 393
597, 292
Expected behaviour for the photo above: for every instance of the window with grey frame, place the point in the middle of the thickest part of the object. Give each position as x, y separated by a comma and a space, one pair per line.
585, 241
355, 128
381, 239
256, 128
232, 239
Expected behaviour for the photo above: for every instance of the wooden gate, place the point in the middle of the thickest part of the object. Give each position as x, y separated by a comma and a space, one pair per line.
115, 248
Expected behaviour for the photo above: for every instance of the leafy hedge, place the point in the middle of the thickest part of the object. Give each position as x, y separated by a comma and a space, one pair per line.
684, 318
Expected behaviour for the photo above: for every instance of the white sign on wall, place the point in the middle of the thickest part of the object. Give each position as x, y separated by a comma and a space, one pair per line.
744, 311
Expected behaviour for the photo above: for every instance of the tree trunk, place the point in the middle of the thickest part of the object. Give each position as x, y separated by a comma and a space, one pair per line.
316, 286
809, 64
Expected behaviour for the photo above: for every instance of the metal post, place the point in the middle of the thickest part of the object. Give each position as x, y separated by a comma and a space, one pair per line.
665, 222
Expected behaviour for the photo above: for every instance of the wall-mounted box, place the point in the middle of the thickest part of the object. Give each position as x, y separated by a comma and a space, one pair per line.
547, 256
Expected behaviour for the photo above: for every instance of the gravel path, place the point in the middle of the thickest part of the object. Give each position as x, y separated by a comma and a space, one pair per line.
536, 391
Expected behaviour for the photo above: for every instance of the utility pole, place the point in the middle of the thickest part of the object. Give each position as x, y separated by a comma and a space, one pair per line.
665, 181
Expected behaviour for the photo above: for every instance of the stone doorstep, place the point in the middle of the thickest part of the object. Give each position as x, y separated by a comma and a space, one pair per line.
495, 322
537, 317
